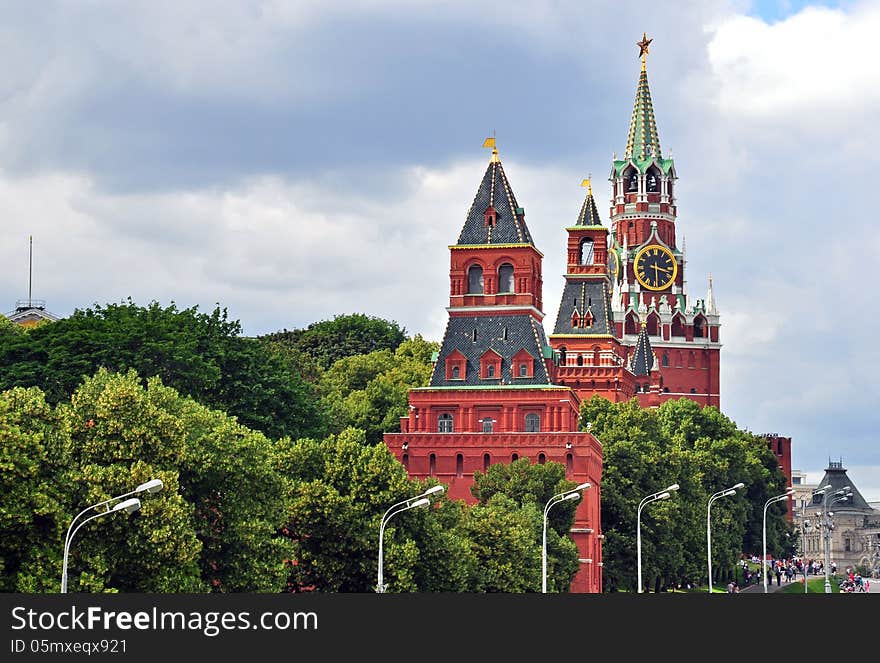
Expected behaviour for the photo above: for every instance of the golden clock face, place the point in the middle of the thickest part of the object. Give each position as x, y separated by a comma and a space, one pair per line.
613, 264
655, 267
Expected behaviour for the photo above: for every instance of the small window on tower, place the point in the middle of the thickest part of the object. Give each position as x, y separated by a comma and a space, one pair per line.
665, 359
523, 370
587, 251
475, 280
456, 373
505, 278
533, 423
633, 182
475, 335
490, 371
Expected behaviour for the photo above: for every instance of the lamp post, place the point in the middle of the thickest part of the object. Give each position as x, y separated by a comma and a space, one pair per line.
841, 496
393, 510
654, 497
573, 494
721, 493
152, 486
778, 498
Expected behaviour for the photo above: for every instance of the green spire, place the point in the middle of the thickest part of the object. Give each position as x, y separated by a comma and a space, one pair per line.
643, 142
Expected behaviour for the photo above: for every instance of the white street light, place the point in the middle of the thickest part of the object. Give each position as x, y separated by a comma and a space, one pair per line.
826, 523
151, 486
393, 510
721, 493
778, 498
654, 497
573, 494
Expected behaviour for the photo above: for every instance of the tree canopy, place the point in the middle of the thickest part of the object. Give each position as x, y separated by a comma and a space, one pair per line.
646, 450
328, 341
200, 355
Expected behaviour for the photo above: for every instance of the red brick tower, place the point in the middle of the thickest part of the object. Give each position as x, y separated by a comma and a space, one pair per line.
491, 397
648, 268
589, 356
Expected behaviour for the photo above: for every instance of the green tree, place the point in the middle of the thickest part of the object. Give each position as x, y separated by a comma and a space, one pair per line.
201, 355
645, 450
341, 487
328, 341
529, 487
32, 512
122, 435
370, 391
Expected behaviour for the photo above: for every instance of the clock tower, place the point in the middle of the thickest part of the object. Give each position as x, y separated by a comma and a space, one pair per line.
650, 285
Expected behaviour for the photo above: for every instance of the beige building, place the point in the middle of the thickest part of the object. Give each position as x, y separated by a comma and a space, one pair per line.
855, 524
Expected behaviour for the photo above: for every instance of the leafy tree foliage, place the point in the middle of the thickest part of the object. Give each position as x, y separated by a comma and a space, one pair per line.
198, 354
329, 341
645, 450
370, 391
214, 527
32, 510
530, 487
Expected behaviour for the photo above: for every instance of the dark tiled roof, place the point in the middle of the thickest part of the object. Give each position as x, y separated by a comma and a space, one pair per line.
589, 215
582, 295
523, 333
643, 357
835, 475
510, 225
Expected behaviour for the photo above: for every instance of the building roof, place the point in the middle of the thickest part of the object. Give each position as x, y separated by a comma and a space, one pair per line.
506, 335
835, 474
643, 357
510, 224
589, 215
583, 296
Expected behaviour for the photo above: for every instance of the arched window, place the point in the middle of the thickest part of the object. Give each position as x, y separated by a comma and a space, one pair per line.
405, 460
569, 463
580, 360
459, 465
562, 352
490, 371
677, 326
533, 423
432, 464
653, 325
632, 324
632, 180
699, 321
505, 278
488, 424
542, 459
587, 251
665, 390
514, 456
652, 182
665, 360
456, 373
486, 461
523, 370
444, 423
475, 280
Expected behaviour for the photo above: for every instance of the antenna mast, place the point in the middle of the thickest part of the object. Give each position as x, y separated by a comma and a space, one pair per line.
30, 271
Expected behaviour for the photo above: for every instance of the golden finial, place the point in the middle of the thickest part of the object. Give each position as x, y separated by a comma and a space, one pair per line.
490, 142
643, 48
588, 183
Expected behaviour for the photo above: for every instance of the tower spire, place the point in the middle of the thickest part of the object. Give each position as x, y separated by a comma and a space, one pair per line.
30, 269
711, 309
643, 142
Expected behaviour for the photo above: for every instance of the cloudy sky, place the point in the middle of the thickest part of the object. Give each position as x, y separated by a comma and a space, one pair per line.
296, 160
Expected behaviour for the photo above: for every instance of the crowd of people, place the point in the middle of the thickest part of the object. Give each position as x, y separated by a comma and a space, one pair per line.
788, 570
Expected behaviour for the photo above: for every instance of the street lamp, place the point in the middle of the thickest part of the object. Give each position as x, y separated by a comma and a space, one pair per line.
393, 510
839, 496
573, 494
721, 493
826, 523
778, 498
655, 497
129, 506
